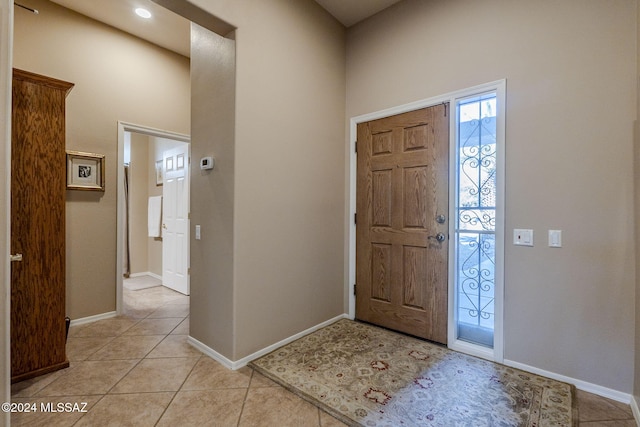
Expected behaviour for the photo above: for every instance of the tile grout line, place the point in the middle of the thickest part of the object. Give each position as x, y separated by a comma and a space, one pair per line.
71, 368
175, 394
138, 321
105, 394
164, 411
87, 358
246, 394
139, 360
85, 414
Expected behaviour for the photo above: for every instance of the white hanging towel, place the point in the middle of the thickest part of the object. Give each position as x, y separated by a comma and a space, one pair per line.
155, 216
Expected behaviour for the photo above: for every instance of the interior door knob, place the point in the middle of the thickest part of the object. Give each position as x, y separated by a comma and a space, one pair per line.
15, 258
440, 237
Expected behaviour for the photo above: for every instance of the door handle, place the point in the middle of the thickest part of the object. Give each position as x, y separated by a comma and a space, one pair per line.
440, 237
15, 258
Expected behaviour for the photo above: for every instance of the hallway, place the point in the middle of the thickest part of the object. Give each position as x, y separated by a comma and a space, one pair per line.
138, 370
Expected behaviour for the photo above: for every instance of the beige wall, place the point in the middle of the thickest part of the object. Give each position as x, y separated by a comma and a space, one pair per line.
283, 196
571, 104
289, 172
212, 192
117, 77
138, 203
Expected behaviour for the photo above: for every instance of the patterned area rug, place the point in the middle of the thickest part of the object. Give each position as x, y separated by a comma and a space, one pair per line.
369, 376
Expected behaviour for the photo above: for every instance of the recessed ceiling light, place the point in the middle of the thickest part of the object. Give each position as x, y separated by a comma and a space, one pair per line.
143, 13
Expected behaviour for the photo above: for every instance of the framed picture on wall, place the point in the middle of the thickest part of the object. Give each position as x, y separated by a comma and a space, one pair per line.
85, 171
158, 173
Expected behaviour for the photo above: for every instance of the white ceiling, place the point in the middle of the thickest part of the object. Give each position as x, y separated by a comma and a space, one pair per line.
165, 28
350, 12
172, 32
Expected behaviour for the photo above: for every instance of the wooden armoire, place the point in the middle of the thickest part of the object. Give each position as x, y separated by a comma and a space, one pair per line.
38, 195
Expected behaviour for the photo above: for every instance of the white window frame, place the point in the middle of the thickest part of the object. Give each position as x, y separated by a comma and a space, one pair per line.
497, 352
498, 86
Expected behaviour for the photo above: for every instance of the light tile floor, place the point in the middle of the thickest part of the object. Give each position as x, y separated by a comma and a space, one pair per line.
598, 411
138, 370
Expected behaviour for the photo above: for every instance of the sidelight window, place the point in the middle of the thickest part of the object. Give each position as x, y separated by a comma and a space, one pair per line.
475, 218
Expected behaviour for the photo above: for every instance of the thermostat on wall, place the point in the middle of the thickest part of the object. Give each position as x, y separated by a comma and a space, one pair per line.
206, 163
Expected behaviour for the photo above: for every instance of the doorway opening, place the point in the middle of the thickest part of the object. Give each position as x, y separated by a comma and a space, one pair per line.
145, 185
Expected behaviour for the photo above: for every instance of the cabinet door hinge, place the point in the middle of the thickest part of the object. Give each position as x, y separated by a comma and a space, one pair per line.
355, 218
356, 146
354, 288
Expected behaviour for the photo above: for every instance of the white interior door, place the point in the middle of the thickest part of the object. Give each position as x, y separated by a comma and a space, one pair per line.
175, 219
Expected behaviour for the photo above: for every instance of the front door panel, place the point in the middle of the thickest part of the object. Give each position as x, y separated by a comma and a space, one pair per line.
401, 236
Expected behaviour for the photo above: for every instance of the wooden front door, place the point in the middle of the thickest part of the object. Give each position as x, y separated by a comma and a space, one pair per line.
401, 229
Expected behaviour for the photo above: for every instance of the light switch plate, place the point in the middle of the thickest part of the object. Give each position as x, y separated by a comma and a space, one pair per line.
555, 238
522, 237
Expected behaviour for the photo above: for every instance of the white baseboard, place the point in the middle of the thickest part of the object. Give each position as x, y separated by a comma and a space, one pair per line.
581, 385
145, 273
95, 318
230, 364
227, 363
635, 409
